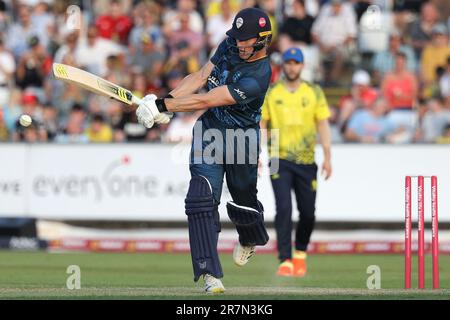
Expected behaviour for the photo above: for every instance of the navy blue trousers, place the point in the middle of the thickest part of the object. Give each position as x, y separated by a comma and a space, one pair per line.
302, 180
241, 178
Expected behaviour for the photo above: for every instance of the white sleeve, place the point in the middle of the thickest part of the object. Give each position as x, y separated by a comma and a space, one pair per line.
210, 24
317, 25
350, 20
196, 22
8, 63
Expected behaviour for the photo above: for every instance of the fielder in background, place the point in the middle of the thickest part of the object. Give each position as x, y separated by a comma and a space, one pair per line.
298, 110
237, 78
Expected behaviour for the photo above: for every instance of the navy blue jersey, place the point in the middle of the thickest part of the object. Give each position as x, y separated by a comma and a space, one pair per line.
247, 82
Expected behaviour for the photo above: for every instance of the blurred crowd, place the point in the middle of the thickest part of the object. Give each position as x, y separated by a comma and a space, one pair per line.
384, 64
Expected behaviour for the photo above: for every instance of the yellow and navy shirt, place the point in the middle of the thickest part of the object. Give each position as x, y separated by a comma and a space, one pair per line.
295, 115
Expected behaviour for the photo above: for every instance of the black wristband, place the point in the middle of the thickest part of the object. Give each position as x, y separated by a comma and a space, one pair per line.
161, 105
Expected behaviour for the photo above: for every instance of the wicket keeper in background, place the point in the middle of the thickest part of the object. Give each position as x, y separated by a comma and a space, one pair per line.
237, 78
299, 110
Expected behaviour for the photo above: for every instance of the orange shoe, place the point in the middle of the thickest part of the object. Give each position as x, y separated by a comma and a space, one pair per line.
285, 269
299, 264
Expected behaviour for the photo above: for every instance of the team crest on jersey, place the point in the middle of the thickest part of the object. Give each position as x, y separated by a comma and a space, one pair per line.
305, 102
239, 22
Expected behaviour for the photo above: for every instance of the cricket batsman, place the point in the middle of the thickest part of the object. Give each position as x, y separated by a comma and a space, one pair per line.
237, 78
298, 111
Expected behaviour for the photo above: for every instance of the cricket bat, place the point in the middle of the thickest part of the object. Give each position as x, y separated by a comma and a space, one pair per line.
94, 83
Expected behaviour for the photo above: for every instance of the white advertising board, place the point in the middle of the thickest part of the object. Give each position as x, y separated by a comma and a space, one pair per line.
149, 182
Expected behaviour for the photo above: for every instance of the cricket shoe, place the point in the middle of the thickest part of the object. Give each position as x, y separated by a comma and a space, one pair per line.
299, 263
241, 254
212, 284
285, 269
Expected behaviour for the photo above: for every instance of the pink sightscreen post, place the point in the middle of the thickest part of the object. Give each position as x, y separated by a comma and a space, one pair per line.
435, 232
421, 231
408, 226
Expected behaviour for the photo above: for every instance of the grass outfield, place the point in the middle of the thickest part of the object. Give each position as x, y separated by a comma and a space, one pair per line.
39, 275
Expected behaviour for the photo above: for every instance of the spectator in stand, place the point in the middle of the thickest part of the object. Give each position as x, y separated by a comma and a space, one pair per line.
99, 131
34, 66
444, 82
30, 134
20, 32
219, 24
420, 30
139, 85
362, 95
173, 78
371, 125
4, 132
7, 70
444, 138
172, 19
213, 7
148, 57
434, 121
44, 21
296, 32
103, 7
433, 89
276, 64
128, 129
334, 32
69, 46
270, 7
185, 47
296, 29
180, 128
117, 70
30, 105
115, 25
36, 132
145, 33
91, 53
361, 7
114, 116
13, 109
400, 89
435, 54
335, 130
4, 17
404, 12
50, 121
74, 131
384, 62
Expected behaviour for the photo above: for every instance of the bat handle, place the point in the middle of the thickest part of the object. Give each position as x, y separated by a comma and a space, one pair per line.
135, 100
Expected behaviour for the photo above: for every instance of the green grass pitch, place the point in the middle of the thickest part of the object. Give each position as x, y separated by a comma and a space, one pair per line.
40, 275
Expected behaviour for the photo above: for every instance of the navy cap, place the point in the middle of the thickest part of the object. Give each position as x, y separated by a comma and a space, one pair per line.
250, 23
293, 54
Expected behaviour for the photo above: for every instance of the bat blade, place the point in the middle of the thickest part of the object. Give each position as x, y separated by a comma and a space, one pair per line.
93, 83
